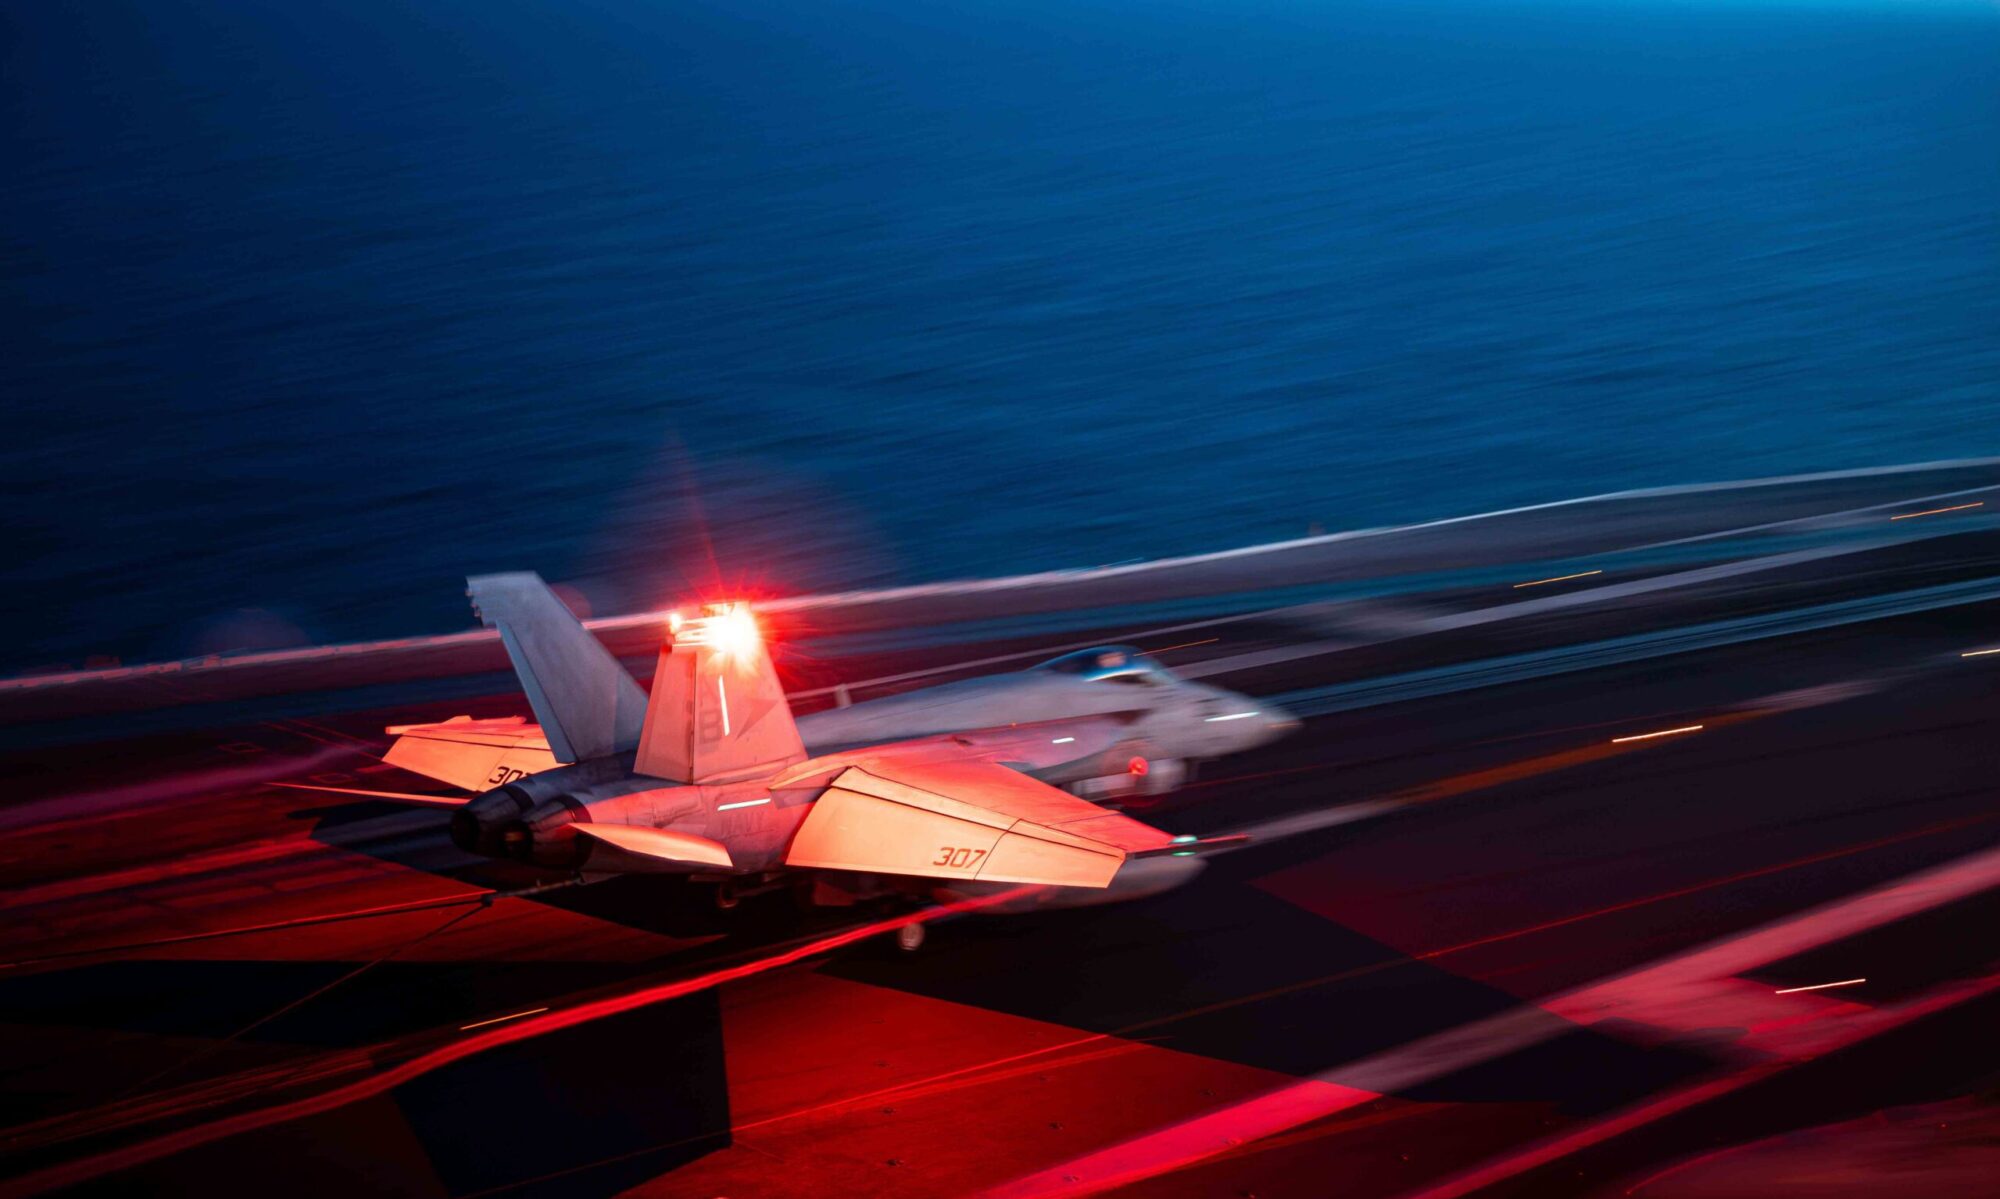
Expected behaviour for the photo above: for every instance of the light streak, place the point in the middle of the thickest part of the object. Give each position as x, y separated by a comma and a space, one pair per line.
1062, 741
1690, 978
723, 696
1484, 1176
741, 803
1687, 728
533, 1011
1935, 511
1167, 649
1980, 653
1558, 579
1710, 885
1845, 982
1231, 716
417, 905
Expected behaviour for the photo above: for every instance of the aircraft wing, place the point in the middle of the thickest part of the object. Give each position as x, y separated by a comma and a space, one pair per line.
472, 754
917, 813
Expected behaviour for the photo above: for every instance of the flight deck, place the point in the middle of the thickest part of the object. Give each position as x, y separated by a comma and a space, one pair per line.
1640, 845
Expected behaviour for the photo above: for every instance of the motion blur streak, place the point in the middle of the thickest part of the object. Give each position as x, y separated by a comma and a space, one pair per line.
1183, 645
1559, 579
1686, 728
387, 909
1697, 888
1855, 1031
61, 811
1687, 1164
72, 1173
977, 1074
1191, 1141
1274, 830
152, 1081
154, 872
1694, 990
533, 1011
1493, 776
1936, 511
1845, 982
349, 651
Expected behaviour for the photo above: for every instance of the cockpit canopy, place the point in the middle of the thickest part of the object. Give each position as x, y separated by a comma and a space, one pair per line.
1111, 663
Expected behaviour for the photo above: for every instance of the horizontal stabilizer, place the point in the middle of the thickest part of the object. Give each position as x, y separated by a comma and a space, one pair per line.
661, 844
428, 801
964, 819
474, 754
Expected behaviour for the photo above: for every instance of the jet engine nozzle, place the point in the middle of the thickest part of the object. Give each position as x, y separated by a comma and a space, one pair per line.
482, 826
542, 836
478, 826
470, 835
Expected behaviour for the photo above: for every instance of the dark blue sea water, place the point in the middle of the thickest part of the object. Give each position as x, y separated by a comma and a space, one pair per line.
313, 308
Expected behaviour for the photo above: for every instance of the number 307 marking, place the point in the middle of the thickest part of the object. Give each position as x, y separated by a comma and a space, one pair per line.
958, 856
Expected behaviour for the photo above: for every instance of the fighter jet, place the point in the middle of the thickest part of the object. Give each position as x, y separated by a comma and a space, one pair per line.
709, 777
1162, 726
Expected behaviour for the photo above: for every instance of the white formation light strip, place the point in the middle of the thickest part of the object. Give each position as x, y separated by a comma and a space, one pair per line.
741, 803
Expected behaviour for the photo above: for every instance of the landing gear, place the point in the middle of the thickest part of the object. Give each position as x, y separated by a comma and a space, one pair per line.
910, 938
726, 897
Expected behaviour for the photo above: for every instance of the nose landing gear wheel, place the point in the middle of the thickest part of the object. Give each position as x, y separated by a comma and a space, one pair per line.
910, 938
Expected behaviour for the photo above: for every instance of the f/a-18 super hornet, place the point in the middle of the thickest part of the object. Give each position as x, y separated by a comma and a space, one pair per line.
710, 778
1158, 726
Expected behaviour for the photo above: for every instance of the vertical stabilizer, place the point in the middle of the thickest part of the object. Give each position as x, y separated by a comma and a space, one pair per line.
717, 712
587, 705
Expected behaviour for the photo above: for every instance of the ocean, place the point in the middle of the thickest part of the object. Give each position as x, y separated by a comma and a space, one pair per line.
311, 310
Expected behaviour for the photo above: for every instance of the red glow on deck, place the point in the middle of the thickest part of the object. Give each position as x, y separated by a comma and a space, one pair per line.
71, 1173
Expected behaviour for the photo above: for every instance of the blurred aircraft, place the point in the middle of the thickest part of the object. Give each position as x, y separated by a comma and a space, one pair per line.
1170, 723
1158, 724
710, 778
